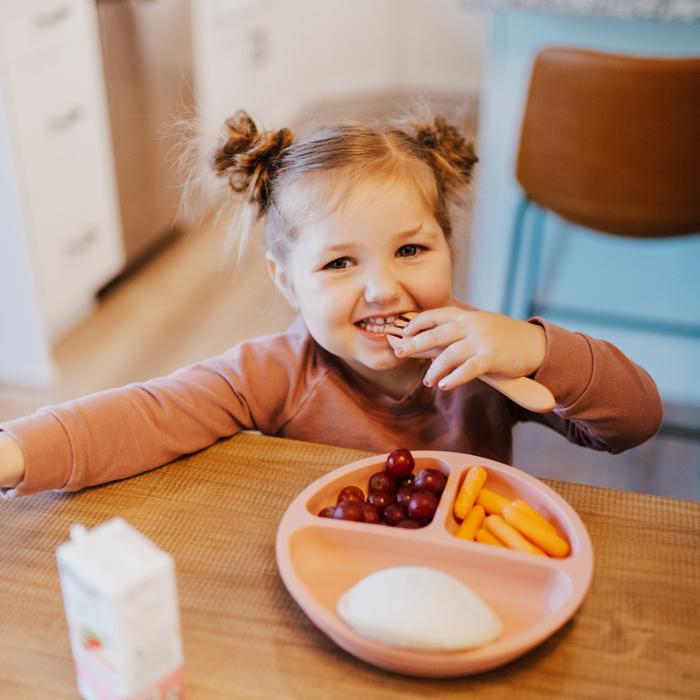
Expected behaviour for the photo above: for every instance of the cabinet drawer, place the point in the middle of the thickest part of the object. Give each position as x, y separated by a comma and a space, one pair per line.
34, 33
71, 266
70, 215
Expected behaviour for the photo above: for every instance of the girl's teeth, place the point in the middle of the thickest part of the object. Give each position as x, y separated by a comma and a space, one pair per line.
378, 324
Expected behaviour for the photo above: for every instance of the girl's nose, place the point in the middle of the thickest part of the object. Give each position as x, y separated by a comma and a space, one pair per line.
381, 287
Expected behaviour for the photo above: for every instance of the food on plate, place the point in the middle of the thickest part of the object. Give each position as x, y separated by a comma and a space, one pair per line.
532, 528
371, 513
380, 499
422, 506
351, 493
419, 607
490, 518
382, 481
493, 503
394, 514
349, 510
395, 497
432, 480
470, 524
485, 537
473, 483
535, 514
400, 463
497, 526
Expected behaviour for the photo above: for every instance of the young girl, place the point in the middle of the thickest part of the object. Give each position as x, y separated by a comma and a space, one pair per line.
358, 232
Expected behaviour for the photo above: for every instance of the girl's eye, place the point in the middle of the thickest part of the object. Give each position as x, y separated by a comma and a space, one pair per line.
337, 264
409, 250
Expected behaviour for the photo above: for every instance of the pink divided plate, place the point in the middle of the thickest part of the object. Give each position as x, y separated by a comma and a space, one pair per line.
320, 558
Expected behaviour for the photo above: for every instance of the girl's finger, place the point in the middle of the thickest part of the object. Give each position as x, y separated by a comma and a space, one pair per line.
449, 359
438, 337
431, 318
472, 369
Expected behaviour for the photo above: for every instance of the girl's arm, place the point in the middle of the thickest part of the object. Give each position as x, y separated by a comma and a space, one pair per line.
121, 432
604, 400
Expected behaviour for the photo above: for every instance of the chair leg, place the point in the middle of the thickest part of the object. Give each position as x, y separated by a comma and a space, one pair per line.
516, 245
532, 283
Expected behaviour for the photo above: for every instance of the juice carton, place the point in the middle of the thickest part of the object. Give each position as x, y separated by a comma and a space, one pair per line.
121, 606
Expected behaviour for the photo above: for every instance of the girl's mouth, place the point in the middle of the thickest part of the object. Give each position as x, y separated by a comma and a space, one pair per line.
377, 324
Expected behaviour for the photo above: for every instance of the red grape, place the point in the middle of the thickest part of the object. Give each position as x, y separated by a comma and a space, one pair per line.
393, 514
399, 463
403, 495
408, 480
380, 499
351, 493
422, 506
382, 481
432, 480
326, 512
349, 510
371, 513
409, 524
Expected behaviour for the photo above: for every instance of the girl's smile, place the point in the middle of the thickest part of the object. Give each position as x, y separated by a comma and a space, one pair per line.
377, 255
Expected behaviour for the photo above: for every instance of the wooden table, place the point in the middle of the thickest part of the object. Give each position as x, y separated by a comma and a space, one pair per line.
636, 635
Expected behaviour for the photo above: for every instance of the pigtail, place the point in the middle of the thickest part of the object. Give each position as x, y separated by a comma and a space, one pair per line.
249, 159
451, 156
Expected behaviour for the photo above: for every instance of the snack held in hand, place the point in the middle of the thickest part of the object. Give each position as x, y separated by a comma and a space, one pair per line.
395, 496
419, 607
490, 518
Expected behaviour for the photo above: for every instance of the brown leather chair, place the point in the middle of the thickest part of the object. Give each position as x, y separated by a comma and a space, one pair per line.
612, 143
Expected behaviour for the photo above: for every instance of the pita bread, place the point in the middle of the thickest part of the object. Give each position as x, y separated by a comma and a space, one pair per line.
419, 608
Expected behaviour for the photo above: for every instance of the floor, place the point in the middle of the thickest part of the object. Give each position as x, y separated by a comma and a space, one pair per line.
186, 304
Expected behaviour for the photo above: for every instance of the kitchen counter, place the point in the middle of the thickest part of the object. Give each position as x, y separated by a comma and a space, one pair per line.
684, 10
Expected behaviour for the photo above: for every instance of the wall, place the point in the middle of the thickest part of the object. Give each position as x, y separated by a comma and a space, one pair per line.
276, 56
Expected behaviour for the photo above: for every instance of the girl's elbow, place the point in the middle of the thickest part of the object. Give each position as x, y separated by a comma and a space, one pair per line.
644, 426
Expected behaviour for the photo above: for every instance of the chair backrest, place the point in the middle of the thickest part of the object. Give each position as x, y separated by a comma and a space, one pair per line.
612, 142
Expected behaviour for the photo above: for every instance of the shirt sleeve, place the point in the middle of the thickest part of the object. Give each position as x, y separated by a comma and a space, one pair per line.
121, 432
604, 400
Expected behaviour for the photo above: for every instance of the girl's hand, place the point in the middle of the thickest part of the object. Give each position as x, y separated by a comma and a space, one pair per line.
466, 343
11, 462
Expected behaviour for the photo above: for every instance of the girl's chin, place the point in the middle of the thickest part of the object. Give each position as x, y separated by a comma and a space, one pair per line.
387, 363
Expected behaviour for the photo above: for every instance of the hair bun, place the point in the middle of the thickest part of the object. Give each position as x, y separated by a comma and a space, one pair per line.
453, 155
249, 158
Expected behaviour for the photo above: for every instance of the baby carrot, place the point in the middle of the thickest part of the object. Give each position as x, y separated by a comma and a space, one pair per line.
472, 484
491, 501
527, 508
510, 536
485, 537
533, 529
471, 523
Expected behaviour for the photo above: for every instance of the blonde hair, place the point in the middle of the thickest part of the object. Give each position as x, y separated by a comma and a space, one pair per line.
264, 166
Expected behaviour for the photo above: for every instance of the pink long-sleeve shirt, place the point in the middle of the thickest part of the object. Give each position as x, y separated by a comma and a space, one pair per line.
287, 385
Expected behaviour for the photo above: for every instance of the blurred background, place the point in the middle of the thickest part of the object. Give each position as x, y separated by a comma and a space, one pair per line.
108, 279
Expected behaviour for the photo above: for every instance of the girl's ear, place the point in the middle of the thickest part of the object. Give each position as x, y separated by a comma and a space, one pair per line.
281, 279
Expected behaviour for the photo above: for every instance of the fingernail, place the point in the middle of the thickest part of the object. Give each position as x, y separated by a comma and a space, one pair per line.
442, 384
426, 381
399, 351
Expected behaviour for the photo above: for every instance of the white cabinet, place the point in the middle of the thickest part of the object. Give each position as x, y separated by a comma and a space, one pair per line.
60, 238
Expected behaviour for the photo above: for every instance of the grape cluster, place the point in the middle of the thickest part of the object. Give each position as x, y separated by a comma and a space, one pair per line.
395, 496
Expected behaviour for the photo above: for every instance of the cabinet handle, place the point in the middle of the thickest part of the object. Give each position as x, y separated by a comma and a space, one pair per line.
63, 121
78, 245
51, 17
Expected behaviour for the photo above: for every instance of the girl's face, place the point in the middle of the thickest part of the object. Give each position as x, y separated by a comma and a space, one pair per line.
379, 254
